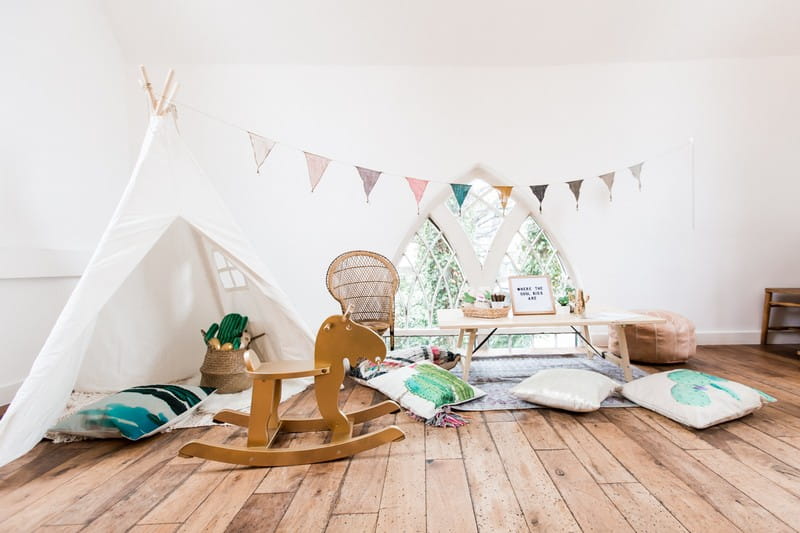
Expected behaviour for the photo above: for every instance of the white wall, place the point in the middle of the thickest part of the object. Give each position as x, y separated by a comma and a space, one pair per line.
530, 125
64, 159
73, 118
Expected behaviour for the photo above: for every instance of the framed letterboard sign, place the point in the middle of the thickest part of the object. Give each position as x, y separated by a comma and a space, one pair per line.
531, 295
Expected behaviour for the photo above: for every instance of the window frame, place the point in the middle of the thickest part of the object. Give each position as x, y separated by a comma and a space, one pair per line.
475, 273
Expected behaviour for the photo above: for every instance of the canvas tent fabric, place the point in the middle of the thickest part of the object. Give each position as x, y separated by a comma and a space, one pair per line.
172, 260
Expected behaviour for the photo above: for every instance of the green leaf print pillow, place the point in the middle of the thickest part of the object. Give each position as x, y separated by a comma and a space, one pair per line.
134, 413
424, 389
693, 398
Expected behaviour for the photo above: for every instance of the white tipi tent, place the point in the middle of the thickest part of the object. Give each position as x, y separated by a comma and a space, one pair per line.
171, 261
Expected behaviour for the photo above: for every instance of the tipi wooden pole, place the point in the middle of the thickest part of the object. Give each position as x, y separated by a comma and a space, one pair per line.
148, 87
163, 100
170, 94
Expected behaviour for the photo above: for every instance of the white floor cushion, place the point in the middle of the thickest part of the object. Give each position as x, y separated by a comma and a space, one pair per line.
693, 398
566, 388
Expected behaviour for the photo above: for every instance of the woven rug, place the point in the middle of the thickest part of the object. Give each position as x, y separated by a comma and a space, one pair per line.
496, 375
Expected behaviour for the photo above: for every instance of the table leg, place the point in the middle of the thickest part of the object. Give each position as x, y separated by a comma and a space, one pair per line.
623, 352
587, 341
460, 340
765, 316
467, 359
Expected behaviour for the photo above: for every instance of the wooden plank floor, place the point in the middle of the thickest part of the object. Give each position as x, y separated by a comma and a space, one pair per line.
532, 470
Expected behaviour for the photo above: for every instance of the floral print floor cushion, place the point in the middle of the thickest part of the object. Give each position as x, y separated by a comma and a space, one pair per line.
424, 389
134, 413
693, 398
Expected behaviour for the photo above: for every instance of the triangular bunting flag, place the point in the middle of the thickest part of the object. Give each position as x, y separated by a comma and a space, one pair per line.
636, 171
460, 191
505, 192
261, 149
370, 178
575, 187
316, 168
418, 188
538, 192
608, 179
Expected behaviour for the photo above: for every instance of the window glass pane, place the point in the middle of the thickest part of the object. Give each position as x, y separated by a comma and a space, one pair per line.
481, 216
430, 278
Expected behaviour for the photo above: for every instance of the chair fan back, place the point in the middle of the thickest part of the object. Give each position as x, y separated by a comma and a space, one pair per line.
365, 282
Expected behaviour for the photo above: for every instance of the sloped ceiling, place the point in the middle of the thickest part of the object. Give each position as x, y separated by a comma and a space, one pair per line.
451, 32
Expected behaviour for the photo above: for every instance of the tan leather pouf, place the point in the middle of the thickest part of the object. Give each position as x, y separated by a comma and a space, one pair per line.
670, 342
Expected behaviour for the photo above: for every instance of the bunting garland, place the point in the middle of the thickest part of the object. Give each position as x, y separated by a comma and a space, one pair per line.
505, 193
608, 179
636, 172
460, 191
370, 178
316, 168
318, 165
418, 188
539, 192
261, 149
575, 187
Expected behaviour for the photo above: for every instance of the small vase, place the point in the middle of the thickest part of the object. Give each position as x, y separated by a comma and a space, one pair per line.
562, 309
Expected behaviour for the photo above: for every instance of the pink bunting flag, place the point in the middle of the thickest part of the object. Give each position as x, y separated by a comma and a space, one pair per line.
636, 172
261, 149
316, 168
418, 188
370, 178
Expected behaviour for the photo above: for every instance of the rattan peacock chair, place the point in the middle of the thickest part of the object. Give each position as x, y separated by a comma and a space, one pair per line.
365, 282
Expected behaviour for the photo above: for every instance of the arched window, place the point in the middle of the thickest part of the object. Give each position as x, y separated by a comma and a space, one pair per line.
480, 245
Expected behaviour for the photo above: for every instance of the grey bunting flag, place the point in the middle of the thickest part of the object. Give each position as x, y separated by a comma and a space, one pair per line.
370, 178
539, 192
636, 172
608, 179
575, 187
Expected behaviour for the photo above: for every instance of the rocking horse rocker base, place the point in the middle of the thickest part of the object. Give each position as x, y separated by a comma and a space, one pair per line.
337, 339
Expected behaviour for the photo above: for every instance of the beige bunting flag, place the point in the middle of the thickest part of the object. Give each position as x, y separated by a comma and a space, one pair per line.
505, 193
608, 179
575, 187
636, 172
370, 178
418, 188
261, 149
316, 168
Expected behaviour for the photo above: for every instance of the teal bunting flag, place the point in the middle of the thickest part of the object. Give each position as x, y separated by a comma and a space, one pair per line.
460, 191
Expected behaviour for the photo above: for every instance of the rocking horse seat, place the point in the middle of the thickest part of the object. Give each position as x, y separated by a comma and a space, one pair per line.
288, 370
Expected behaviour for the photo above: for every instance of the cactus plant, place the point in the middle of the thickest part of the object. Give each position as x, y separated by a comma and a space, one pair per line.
231, 327
211, 333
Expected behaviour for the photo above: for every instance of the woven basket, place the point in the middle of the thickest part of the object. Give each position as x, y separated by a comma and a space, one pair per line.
225, 371
477, 312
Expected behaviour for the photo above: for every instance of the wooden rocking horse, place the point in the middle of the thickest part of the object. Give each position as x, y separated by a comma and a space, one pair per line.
338, 338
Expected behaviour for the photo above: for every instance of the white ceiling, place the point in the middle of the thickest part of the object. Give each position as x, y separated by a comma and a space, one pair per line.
451, 32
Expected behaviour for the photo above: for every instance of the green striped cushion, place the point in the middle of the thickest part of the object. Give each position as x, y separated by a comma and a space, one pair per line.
134, 413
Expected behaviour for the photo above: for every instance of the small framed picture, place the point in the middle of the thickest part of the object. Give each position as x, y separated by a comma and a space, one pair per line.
531, 295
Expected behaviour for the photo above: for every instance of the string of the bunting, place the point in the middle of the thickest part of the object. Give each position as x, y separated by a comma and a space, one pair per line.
317, 166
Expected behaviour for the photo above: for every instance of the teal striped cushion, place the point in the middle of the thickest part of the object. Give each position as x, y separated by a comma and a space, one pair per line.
134, 413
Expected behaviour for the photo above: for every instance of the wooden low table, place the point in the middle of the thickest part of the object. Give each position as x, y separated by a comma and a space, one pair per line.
619, 320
